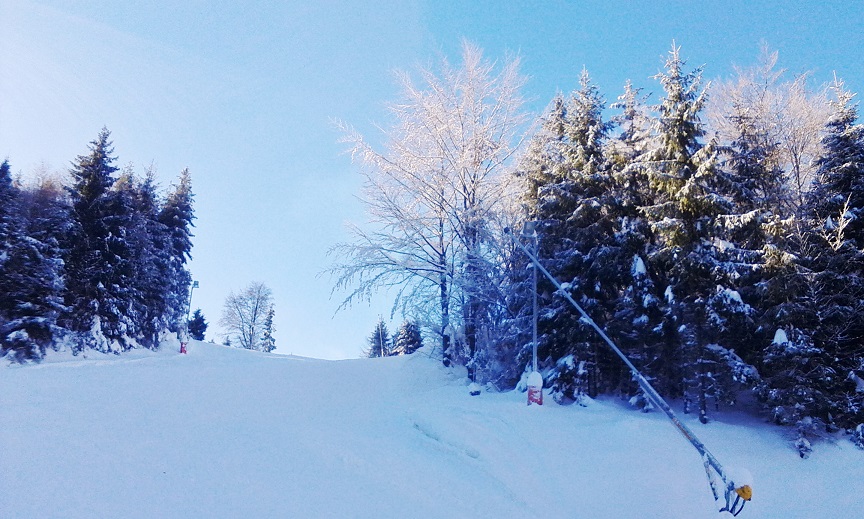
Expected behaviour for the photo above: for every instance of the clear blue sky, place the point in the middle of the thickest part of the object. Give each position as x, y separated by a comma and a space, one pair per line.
244, 94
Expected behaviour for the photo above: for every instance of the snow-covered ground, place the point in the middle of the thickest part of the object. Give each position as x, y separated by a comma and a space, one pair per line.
229, 433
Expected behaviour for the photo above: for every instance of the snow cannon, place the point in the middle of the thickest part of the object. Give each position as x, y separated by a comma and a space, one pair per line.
738, 486
742, 494
737, 491
535, 388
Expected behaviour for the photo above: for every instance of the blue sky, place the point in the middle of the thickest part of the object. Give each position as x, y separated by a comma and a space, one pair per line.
244, 94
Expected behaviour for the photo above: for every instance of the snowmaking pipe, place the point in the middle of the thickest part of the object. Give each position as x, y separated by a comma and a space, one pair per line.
742, 493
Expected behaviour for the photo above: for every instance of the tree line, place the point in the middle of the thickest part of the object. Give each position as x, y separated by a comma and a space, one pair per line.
406, 341
96, 262
716, 234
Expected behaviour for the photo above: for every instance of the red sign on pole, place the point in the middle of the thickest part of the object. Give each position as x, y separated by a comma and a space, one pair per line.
535, 388
535, 395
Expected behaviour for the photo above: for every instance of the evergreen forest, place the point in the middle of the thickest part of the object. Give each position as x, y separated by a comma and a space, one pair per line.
93, 262
714, 231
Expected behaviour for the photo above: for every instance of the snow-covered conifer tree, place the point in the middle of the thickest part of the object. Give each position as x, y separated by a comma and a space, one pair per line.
407, 339
30, 279
197, 325
571, 194
691, 204
636, 315
379, 341
100, 268
268, 342
177, 215
810, 379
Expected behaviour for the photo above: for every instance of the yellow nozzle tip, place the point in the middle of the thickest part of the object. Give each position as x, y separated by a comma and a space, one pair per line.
745, 492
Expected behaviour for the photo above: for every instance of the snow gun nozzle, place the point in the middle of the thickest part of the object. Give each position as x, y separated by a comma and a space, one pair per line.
741, 495
731, 496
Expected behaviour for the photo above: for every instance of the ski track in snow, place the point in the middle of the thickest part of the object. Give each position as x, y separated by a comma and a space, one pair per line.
228, 433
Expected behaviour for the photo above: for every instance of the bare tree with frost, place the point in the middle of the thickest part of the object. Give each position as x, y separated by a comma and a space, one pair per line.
433, 193
784, 118
245, 315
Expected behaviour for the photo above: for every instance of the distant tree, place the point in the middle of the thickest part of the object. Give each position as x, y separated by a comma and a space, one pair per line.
268, 342
379, 341
244, 315
197, 325
773, 126
408, 339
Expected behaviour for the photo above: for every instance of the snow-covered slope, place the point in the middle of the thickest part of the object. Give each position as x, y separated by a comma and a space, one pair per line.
227, 433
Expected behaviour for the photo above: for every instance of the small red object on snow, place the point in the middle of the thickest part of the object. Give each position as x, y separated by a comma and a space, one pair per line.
182, 347
535, 388
535, 395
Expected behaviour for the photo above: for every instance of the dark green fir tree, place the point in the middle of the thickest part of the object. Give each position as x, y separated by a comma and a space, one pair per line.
197, 325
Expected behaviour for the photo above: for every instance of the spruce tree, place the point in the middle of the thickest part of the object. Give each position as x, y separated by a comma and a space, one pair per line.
148, 238
633, 138
542, 164
379, 341
176, 216
754, 164
268, 342
97, 259
30, 279
136, 281
8, 205
809, 378
408, 339
691, 206
569, 192
837, 197
634, 307
197, 325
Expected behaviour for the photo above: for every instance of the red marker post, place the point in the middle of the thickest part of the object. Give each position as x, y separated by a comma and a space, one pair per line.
184, 340
535, 388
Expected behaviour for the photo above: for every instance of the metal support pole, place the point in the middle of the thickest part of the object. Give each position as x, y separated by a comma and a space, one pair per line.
534, 274
185, 335
189, 303
189, 308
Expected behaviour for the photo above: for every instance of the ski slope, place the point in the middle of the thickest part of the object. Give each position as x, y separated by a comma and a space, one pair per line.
229, 433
